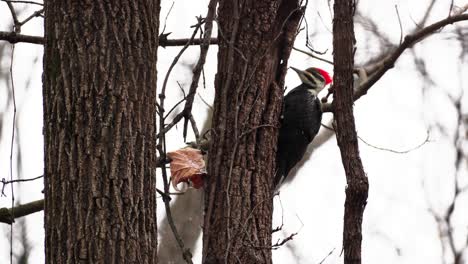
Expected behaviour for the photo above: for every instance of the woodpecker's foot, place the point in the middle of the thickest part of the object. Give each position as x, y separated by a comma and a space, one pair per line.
330, 92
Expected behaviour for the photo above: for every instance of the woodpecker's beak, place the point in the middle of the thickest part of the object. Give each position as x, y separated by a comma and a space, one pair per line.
301, 74
296, 70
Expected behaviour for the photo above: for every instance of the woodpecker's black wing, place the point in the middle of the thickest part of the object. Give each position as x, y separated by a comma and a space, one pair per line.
301, 120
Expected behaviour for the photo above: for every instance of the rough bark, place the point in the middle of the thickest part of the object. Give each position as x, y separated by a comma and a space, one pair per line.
255, 40
357, 189
99, 91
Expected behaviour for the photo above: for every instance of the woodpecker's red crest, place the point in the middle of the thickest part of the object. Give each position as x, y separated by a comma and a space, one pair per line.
325, 75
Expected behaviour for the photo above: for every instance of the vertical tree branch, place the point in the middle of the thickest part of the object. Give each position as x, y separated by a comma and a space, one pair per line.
357, 190
255, 40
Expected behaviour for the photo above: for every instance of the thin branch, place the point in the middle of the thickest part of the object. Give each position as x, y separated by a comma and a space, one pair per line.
181, 42
280, 227
427, 13
389, 61
279, 243
164, 129
397, 151
186, 112
13, 38
5, 182
167, 15
162, 95
37, 13
426, 140
205, 102
399, 22
204, 46
13, 130
17, 28
7, 215
328, 255
313, 56
196, 132
178, 103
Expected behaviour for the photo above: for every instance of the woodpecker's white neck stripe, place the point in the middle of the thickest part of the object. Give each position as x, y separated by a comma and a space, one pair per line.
312, 91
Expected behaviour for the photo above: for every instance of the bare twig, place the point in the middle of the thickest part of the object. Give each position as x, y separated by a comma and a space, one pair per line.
328, 255
389, 61
280, 227
426, 140
164, 129
17, 27
13, 38
165, 20
279, 243
181, 42
313, 56
397, 151
423, 21
204, 46
37, 13
193, 123
205, 102
178, 103
5, 182
399, 22
13, 130
176, 59
7, 215
186, 112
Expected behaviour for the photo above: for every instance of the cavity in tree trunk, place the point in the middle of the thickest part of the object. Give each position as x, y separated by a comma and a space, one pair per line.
255, 40
99, 90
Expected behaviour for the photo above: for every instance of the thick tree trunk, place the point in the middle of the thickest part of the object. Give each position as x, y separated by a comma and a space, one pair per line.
99, 90
357, 190
255, 40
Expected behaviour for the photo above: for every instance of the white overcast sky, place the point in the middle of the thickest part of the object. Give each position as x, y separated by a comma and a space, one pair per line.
395, 114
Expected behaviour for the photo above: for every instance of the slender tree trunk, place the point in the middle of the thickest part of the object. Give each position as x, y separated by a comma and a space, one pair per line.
255, 40
357, 190
99, 90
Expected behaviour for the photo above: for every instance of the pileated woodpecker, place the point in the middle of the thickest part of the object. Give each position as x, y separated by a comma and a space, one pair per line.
300, 120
